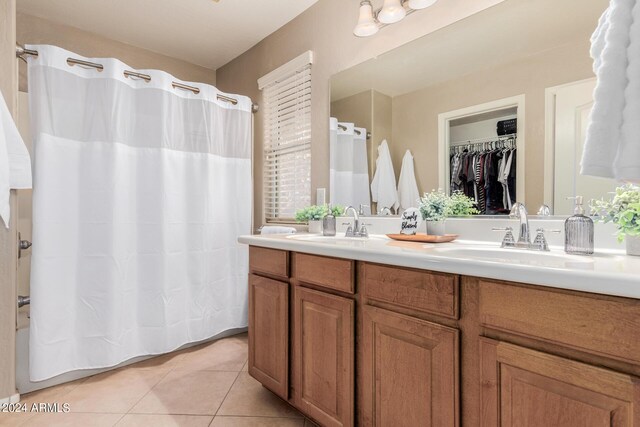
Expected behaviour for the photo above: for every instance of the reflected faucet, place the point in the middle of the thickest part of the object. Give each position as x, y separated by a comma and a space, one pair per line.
519, 211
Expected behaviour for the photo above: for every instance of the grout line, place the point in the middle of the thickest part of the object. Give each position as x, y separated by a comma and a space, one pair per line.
149, 391
227, 394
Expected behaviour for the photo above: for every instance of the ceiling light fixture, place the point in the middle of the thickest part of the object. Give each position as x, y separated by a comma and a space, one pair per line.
392, 11
367, 25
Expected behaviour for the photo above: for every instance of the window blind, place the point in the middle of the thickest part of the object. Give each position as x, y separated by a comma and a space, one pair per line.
287, 142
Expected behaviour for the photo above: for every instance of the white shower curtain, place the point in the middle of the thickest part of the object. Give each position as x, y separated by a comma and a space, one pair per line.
140, 192
348, 169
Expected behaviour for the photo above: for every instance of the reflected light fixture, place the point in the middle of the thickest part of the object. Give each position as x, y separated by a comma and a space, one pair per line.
392, 11
367, 25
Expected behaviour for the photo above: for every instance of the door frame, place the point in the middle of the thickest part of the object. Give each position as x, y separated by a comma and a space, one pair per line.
550, 94
444, 138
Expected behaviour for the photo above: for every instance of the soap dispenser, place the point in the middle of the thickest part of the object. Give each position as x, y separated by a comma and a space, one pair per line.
329, 223
578, 231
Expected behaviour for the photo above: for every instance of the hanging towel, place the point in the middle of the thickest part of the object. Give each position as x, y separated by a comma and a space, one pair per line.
383, 185
612, 146
15, 163
408, 194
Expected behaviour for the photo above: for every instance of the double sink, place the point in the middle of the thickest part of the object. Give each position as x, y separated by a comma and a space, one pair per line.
462, 250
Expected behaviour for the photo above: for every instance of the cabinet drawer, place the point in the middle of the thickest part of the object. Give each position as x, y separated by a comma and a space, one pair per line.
269, 261
596, 324
429, 292
332, 273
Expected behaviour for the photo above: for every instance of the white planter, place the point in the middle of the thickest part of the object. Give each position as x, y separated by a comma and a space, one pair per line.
633, 245
435, 228
315, 227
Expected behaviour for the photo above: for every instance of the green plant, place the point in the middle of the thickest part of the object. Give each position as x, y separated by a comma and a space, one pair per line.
311, 213
461, 205
434, 206
316, 213
623, 210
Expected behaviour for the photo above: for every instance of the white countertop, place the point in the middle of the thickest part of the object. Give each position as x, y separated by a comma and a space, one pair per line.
608, 272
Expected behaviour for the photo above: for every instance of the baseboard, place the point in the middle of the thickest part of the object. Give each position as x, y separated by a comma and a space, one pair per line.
11, 399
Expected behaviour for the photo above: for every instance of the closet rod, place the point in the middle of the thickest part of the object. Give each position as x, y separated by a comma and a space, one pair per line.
21, 52
485, 139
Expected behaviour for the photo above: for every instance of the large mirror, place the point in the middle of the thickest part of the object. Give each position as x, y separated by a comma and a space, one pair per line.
495, 105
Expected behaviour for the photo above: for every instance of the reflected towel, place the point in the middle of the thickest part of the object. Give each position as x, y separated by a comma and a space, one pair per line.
274, 229
383, 186
612, 146
15, 163
408, 194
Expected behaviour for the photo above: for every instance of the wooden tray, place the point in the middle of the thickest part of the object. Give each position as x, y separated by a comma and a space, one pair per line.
423, 238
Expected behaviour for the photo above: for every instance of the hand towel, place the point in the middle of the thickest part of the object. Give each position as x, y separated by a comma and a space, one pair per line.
274, 229
613, 138
15, 163
383, 186
408, 194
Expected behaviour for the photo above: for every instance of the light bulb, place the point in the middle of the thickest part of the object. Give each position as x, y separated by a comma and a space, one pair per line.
421, 4
367, 25
391, 12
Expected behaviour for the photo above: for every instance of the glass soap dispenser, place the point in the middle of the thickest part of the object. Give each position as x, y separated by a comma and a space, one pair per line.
329, 223
578, 231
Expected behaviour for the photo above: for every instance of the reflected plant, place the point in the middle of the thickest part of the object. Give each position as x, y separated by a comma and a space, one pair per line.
316, 213
461, 205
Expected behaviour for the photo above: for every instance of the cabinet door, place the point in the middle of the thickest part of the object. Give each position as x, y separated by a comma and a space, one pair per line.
409, 371
523, 387
269, 333
324, 356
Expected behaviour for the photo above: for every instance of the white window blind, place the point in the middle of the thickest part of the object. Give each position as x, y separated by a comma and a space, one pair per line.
287, 139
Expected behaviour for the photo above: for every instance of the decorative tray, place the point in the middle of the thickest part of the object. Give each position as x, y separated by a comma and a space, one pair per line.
423, 238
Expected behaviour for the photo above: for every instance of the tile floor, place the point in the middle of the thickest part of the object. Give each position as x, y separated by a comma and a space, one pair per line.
207, 385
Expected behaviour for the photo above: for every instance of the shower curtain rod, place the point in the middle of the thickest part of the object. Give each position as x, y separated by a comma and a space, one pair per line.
343, 127
21, 51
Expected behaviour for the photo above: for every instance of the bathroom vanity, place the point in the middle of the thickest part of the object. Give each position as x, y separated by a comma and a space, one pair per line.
378, 332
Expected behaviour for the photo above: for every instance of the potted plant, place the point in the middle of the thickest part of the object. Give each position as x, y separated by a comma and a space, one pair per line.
436, 206
461, 205
624, 211
314, 214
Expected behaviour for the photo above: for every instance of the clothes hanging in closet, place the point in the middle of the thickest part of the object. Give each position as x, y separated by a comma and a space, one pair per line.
487, 175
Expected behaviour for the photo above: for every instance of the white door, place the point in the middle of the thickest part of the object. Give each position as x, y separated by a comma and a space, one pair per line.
572, 105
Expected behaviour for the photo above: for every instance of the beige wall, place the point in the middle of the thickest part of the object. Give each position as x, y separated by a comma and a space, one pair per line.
8, 238
33, 30
415, 115
326, 29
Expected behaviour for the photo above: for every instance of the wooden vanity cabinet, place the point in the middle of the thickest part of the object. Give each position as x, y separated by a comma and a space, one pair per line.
323, 336
423, 348
523, 387
269, 319
409, 367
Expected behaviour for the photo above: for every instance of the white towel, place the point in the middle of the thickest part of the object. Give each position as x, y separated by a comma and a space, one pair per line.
612, 146
15, 163
383, 185
408, 194
274, 229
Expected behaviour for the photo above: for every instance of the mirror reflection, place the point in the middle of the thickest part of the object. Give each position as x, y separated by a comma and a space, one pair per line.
495, 106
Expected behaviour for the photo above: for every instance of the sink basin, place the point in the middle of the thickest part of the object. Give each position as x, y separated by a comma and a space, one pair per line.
337, 239
521, 256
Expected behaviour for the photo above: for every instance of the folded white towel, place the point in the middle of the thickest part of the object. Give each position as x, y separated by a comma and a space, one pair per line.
275, 229
613, 137
408, 194
15, 163
383, 185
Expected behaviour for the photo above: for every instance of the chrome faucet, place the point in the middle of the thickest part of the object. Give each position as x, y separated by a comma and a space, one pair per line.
518, 211
354, 230
384, 211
